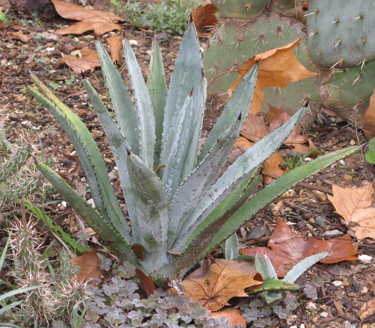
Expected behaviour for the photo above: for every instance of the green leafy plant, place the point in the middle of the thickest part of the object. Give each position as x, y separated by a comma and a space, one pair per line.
272, 287
180, 207
292, 162
169, 16
370, 155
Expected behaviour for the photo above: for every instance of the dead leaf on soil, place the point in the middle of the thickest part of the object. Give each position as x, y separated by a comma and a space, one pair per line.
146, 283
354, 205
367, 309
286, 249
115, 43
89, 263
277, 68
88, 60
220, 283
254, 128
19, 36
272, 169
3, 25
99, 21
233, 316
369, 118
204, 19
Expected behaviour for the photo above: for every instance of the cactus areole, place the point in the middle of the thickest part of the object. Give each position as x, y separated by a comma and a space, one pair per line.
179, 205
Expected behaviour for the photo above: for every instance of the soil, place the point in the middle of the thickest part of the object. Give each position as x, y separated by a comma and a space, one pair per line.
25, 120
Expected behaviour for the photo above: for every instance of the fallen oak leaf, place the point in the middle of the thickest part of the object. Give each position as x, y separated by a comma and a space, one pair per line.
219, 285
285, 249
354, 205
233, 316
369, 118
99, 21
115, 43
277, 68
89, 60
70, 11
204, 19
99, 28
89, 263
19, 36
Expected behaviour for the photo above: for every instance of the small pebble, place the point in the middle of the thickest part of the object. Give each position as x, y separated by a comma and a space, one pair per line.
337, 283
365, 258
311, 306
91, 202
332, 233
324, 314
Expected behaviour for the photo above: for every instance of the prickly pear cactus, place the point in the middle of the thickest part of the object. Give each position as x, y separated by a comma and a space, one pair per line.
338, 88
341, 32
240, 8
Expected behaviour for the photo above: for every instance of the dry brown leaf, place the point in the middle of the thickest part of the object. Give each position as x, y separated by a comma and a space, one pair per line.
233, 316
369, 118
277, 68
99, 21
277, 117
3, 25
19, 36
204, 19
254, 128
89, 263
367, 309
115, 43
271, 168
99, 28
70, 11
88, 61
286, 249
354, 205
243, 144
219, 285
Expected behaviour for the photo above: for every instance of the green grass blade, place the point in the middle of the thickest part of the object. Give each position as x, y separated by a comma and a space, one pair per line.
76, 245
122, 105
18, 291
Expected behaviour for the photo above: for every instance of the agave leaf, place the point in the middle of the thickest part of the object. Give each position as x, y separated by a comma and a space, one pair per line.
199, 102
265, 196
238, 104
92, 217
181, 142
230, 247
145, 111
261, 267
200, 180
157, 86
238, 196
271, 270
186, 76
151, 200
119, 148
249, 161
302, 266
126, 115
91, 159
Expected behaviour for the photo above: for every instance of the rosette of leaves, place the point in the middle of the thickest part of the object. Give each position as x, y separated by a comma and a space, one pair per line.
179, 205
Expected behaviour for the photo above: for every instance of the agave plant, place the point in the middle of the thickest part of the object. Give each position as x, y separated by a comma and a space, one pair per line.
179, 205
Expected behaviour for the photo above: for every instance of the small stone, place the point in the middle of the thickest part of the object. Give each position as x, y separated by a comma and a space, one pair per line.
91, 202
320, 221
112, 176
320, 195
364, 290
288, 194
332, 233
324, 314
311, 306
352, 142
337, 283
133, 43
365, 258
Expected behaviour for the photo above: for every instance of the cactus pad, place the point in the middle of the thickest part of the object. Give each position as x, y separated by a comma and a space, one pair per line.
240, 8
341, 32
